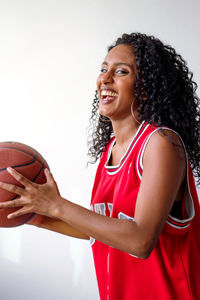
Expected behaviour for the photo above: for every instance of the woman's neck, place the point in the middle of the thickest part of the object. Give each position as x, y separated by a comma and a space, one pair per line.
124, 130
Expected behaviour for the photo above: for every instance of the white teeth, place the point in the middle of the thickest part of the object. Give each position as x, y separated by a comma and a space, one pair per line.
108, 93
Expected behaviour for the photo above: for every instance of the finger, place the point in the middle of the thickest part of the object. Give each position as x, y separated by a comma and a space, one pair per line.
50, 179
48, 175
19, 177
12, 188
12, 203
18, 213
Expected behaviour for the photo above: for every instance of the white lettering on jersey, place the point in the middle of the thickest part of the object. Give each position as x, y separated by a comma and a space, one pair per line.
110, 207
100, 208
122, 216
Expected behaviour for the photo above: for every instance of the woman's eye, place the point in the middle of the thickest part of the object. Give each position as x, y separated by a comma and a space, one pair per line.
103, 70
120, 71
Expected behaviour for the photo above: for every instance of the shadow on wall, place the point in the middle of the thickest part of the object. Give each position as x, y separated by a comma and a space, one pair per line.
43, 272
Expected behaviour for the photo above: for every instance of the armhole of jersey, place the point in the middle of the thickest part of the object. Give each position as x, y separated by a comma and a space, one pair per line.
188, 205
188, 202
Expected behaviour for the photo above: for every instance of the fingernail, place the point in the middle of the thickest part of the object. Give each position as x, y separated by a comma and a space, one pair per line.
9, 169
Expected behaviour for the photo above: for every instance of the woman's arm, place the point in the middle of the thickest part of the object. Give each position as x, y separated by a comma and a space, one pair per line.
57, 225
164, 170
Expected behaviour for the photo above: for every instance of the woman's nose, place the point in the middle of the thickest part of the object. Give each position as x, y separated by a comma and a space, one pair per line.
107, 77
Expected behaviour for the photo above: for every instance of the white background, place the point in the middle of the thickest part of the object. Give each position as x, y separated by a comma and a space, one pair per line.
50, 56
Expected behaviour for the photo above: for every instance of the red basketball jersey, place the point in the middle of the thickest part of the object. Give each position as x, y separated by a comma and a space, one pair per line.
172, 271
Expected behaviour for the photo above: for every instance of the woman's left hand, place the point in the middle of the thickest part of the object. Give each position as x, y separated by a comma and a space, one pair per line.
43, 199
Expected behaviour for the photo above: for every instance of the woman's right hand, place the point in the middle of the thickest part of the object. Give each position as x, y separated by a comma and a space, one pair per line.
42, 199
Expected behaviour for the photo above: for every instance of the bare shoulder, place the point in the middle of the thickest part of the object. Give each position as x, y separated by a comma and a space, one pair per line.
166, 149
168, 141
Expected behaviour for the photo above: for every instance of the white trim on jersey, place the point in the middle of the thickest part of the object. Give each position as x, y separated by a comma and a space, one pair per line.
189, 207
189, 203
125, 156
137, 161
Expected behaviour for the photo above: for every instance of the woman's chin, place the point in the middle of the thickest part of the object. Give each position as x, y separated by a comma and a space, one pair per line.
103, 113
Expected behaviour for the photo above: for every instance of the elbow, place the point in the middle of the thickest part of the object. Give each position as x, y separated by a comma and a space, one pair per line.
143, 250
145, 253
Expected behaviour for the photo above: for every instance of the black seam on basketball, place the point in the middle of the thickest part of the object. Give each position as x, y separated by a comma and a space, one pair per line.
21, 165
6, 147
15, 197
29, 217
35, 157
36, 176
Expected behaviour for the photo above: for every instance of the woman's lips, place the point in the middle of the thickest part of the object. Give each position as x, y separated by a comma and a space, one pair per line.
108, 96
107, 99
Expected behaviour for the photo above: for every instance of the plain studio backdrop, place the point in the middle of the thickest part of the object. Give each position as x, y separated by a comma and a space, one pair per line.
50, 56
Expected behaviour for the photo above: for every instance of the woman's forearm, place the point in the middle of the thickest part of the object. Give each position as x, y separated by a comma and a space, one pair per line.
58, 226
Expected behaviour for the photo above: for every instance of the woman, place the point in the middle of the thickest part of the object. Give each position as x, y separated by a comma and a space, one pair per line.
145, 218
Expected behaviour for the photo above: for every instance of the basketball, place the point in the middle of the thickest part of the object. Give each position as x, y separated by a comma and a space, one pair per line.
30, 164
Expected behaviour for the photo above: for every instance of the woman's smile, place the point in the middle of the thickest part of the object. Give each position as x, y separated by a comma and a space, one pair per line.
107, 95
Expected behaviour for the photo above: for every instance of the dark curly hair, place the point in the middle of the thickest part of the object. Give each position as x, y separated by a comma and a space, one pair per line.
165, 80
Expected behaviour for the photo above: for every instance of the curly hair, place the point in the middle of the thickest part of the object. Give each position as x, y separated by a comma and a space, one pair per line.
164, 79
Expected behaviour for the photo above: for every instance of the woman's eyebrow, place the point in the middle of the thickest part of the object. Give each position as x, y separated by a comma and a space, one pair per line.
118, 64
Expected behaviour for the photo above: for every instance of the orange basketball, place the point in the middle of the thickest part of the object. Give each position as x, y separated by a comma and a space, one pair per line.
26, 161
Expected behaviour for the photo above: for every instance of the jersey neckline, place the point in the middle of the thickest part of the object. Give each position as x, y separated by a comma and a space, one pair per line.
115, 169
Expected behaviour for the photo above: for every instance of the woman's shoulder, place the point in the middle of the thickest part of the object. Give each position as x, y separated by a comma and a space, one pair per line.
164, 135
166, 148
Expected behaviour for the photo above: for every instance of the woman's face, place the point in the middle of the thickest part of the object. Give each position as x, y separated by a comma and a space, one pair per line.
115, 84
